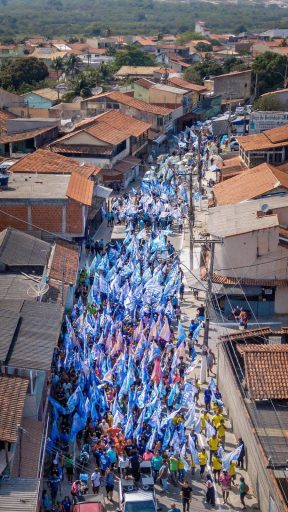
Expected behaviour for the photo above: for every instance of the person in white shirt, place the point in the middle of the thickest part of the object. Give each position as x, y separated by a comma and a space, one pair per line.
96, 481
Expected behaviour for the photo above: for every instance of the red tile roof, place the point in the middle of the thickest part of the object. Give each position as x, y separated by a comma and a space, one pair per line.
12, 397
266, 371
226, 280
120, 97
64, 261
250, 184
44, 161
80, 189
80, 149
15, 137
184, 84
276, 137
124, 123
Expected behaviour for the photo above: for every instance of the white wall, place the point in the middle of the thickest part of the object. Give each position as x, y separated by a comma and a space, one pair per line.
241, 251
281, 300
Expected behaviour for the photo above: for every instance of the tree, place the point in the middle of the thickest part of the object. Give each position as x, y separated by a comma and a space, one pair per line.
58, 65
269, 71
72, 65
21, 71
268, 103
198, 72
132, 56
189, 35
203, 47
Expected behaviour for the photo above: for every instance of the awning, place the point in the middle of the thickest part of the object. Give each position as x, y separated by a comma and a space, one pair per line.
103, 192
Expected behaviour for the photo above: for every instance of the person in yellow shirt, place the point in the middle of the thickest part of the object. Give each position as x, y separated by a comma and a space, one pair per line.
213, 443
232, 470
204, 416
221, 429
216, 466
203, 457
181, 471
217, 418
192, 465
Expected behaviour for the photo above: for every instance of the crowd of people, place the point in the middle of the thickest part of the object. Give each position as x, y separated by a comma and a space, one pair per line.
123, 383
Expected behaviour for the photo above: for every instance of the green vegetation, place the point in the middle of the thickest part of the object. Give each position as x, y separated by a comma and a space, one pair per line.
23, 74
132, 56
270, 71
68, 18
268, 103
209, 67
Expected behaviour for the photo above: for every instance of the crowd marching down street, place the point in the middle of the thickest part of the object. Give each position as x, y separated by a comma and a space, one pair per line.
124, 384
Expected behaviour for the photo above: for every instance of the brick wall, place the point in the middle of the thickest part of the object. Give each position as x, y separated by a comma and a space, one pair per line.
18, 211
47, 217
74, 222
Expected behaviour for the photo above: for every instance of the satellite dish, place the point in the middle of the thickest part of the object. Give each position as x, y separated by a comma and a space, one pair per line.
68, 127
264, 208
37, 290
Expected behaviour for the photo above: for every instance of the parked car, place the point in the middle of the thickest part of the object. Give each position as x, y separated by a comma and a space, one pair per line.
234, 145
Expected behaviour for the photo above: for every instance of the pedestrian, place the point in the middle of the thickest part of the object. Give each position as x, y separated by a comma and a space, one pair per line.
163, 475
243, 490
181, 470
232, 470
96, 481
156, 465
216, 466
45, 502
54, 482
181, 291
225, 481
207, 398
203, 457
66, 505
69, 466
242, 453
109, 484
210, 491
186, 491
173, 466
173, 508
221, 430
210, 362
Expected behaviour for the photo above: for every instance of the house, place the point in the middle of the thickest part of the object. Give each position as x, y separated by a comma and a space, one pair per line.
196, 90
49, 205
9, 100
202, 28
234, 85
126, 72
262, 181
47, 55
270, 146
281, 96
69, 112
42, 98
251, 261
252, 377
25, 135
266, 120
160, 118
147, 44
162, 94
105, 139
45, 161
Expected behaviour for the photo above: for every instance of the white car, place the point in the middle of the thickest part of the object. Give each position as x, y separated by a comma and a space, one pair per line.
234, 145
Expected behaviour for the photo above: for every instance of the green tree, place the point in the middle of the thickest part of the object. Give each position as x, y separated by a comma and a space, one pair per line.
58, 65
268, 103
198, 72
72, 65
203, 47
132, 56
269, 71
185, 37
21, 71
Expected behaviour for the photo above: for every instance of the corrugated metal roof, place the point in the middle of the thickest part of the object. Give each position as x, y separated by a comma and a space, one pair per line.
20, 249
15, 286
19, 495
38, 335
8, 321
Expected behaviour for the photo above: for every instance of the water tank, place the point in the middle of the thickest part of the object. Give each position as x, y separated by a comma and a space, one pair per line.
4, 180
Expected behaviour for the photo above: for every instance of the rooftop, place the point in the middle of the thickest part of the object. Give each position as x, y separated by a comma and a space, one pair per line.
64, 261
31, 186
23, 349
250, 184
20, 249
237, 219
266, 371
124, 123
276, 137
19, 495
12, 397
232, 73
16, 137
47, 93
180, 82
136, 70
44, 161
80, 189
138, 104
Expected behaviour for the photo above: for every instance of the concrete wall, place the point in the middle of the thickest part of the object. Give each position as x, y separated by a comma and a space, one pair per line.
263, 481
236, 85
281, 300
36, 101
8, 99
165, 97
141, 93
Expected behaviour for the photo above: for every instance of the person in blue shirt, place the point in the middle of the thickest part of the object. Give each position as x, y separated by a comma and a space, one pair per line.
109, 484
66, 504
207, 398
112, 455
174, 508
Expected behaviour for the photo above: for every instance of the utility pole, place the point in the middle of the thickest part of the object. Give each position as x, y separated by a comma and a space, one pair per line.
208, 293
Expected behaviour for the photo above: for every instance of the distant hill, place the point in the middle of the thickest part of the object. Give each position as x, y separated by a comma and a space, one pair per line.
21, 18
